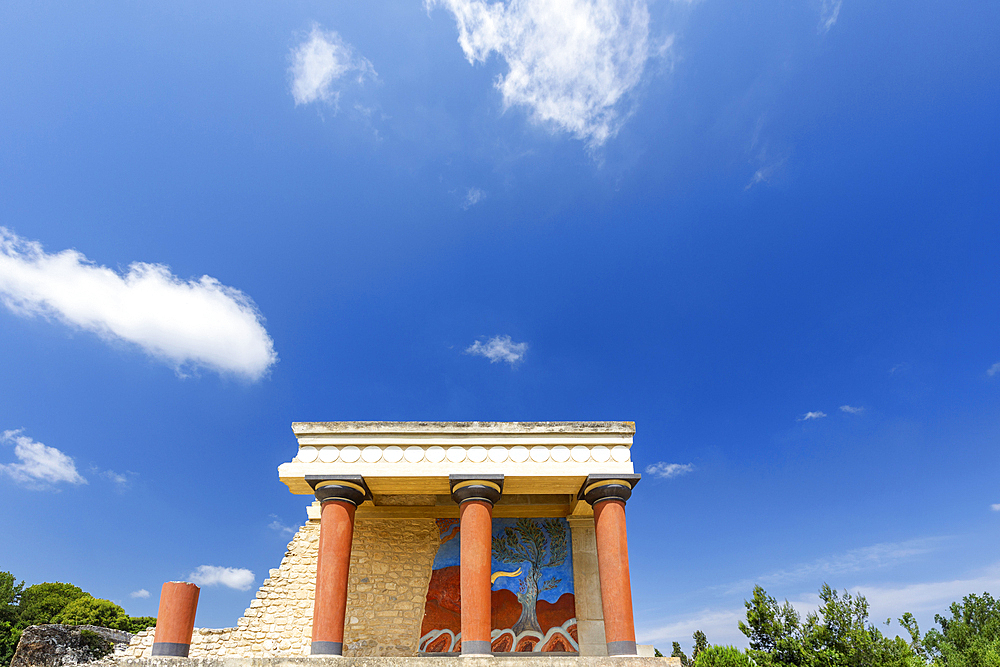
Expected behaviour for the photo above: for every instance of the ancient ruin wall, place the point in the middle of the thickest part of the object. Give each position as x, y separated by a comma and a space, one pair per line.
390, 570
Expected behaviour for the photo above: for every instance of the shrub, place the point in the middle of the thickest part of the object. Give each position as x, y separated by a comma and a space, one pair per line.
94, 611
722, 656
98, 645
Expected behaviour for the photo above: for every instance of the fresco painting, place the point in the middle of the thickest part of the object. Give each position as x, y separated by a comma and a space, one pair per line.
533, 608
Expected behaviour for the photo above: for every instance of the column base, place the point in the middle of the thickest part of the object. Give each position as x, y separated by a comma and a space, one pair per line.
622, 649
170, 650
326, 649
476, 649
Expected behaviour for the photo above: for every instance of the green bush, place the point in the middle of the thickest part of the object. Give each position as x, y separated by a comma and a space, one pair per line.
41, 603
93, 611
722, 656
98, 645
139, 623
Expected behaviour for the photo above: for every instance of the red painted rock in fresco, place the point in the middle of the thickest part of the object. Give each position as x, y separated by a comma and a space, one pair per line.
444, 606
554, 614
505, 609
558, 642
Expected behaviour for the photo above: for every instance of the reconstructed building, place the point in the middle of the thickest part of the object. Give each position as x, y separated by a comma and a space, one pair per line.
448, 537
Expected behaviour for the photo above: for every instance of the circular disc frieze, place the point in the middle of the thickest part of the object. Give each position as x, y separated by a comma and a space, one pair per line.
413, 454
456, 454
307, 454
371, 454
621, 453
560, 454
350, 454
580, 454
392, 454
477, 454
498, 454
329, 454
600, 453
435, 454
518, 454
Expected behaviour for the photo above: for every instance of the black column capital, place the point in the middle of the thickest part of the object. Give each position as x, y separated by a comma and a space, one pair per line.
476, 487
349, 488
608, 486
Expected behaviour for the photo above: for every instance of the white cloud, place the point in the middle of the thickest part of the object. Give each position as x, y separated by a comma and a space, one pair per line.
472, 197
39, 465
862, 559
811, 415
570, 62
213, 575
851, 410
994, 369
142, 593
828, 12
499, 348
666, 470
322, 58
281, 528
995, 507
719, 625
193, 323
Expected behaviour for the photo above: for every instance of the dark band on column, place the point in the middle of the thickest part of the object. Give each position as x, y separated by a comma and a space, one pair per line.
476, 487
171, 649
621, 648
330, 648
607, 486
349, 488
476, 647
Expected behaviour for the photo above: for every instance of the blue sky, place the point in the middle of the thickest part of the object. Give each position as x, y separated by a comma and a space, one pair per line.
766, 232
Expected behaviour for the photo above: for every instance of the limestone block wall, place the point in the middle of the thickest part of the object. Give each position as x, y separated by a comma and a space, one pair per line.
390, 571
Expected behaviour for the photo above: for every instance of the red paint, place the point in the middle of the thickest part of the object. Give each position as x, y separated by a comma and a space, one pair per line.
332, 566
612, 563
175, 619
476, 558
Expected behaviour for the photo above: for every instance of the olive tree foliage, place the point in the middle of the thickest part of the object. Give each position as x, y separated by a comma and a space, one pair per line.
535, 544
722, 656
838, 634
970, 637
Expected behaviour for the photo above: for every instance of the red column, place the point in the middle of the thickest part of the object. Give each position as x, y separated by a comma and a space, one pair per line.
175, 619
332, 566
475, 495
616, 586
607, 494
476, 555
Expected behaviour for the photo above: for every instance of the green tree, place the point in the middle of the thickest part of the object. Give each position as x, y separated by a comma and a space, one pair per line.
10, 596
836, 635
89, 610
700, 644
722, 656
140, 623
970, 637
678, 653
42, 602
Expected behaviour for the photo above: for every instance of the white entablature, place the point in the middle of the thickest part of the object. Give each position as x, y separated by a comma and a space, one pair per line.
417, 457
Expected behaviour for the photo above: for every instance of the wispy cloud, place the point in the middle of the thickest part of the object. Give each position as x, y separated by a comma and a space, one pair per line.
993, 370
140, 594
499, 348
193, 323
828, 13
570, 62
666, 470
472, 197
321, 59
720, 625
851, 410
872, 557
811, 415
281, 528
232, 577
995, 507
39, 465
122, 481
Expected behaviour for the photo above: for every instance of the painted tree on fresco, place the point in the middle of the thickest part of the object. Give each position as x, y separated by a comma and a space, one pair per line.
538, 544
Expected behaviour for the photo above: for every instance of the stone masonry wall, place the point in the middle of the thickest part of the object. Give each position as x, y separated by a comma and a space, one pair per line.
390, 571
